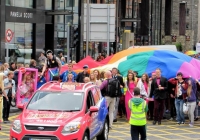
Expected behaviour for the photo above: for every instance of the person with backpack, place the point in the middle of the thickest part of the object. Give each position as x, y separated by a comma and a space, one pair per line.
115, 75
52, 67
110, 89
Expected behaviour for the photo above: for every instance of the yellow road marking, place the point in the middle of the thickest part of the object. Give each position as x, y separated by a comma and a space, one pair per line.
13, 117
4, 134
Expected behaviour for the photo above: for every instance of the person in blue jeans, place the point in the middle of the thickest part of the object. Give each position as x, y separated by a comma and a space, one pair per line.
180, 96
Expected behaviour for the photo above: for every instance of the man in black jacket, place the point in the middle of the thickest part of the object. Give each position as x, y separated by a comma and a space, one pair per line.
80, 77
52, 62
115, 74
159, 87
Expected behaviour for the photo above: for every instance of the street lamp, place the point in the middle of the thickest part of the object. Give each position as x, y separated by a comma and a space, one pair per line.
87, 27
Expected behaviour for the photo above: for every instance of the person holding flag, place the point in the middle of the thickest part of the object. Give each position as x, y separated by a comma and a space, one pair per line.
52, 67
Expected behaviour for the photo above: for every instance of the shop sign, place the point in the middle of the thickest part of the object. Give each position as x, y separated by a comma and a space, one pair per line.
9, 35
24, 15
21, 14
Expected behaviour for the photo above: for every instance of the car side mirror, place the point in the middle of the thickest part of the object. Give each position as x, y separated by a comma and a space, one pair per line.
94, 109
22, 106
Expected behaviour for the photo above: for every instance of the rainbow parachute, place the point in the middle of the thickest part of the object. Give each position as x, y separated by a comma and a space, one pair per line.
146, 60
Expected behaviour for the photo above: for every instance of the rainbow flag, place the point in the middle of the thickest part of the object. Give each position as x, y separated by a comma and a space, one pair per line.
51, 73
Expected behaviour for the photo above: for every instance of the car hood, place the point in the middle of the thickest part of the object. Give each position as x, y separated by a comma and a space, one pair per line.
49, 117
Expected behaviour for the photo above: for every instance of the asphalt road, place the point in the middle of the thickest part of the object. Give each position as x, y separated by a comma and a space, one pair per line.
121, 130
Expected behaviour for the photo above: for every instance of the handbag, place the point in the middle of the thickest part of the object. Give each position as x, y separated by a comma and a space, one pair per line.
13, 102
185, 108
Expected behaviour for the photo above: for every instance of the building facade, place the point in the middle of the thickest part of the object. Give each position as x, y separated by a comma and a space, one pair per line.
180, 23
30, 26
160, 22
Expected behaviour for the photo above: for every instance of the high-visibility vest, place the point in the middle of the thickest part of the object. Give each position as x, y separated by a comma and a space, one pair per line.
138, 114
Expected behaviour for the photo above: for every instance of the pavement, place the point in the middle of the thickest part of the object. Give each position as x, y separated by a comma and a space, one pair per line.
121, 130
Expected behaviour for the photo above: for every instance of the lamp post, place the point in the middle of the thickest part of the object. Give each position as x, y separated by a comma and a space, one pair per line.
87, 27
68, 41
117, 22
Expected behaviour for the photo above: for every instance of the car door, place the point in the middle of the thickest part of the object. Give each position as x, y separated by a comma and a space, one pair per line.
98, 122
90, 116
103, 110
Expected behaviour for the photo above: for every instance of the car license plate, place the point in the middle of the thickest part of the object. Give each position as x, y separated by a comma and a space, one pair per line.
38, 139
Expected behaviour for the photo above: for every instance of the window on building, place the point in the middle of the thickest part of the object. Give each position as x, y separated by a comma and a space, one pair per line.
94, 1
102, 1
130, 13
48, 4
168, 13
182, 19
19, 44
68, 18
20, 3
69, 3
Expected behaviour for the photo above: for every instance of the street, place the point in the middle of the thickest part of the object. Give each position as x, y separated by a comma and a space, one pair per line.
168, 130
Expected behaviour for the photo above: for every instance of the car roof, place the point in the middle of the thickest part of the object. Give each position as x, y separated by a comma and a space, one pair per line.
64, 86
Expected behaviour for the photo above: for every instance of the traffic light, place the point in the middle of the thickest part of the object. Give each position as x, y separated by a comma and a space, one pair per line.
74, 37
76, 40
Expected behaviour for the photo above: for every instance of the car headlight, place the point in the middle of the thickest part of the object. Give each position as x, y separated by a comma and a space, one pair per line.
71, 127
17, 126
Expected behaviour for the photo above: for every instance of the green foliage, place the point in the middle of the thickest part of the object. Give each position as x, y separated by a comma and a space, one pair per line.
179, 46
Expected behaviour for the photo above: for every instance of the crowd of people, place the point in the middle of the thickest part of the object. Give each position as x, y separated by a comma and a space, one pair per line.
159, 93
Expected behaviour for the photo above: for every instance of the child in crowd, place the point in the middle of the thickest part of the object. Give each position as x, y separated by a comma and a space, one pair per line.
86, 80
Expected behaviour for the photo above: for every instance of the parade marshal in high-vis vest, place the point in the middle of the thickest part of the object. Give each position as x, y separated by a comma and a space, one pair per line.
137, 120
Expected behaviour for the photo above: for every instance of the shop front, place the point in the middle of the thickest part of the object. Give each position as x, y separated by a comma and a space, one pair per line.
29, 27
20, 33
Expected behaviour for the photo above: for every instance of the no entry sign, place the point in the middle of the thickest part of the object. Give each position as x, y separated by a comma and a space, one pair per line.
9, 35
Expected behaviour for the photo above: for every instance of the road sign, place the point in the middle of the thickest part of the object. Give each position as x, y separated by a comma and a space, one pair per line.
101, 22
9, 35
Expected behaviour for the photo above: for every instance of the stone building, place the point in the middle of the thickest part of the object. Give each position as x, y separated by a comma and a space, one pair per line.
180, 23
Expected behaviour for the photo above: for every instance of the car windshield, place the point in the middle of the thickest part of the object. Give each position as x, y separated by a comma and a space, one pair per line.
56, 101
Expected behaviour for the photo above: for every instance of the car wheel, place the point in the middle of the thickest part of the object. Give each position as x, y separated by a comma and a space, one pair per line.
86, 137
104, 133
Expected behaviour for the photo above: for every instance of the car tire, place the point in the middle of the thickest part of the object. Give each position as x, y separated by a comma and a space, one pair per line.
86, 136
104, 133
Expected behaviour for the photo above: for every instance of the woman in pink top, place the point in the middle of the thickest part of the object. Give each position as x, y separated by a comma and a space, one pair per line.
130, 85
